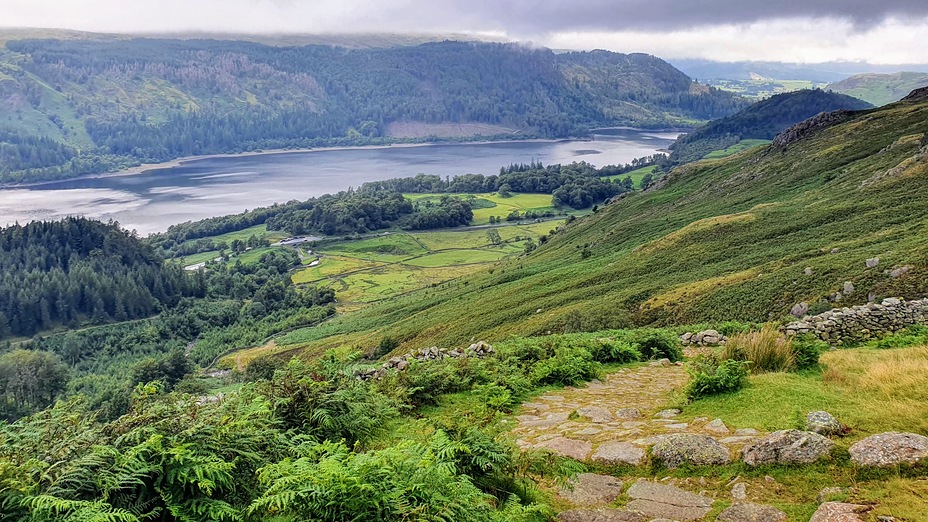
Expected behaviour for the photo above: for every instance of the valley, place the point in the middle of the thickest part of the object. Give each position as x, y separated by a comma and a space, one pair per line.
280, 278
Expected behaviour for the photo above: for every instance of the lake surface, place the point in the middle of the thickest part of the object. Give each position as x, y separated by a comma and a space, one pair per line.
155, 199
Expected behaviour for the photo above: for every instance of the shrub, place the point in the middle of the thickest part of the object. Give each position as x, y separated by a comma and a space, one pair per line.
911, 336
660, 345
387, 345
567, 367
614, 351
262, 368
766, 350
806, 350
708, 376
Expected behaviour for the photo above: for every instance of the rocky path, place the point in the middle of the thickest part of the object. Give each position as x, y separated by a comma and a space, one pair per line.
614, 420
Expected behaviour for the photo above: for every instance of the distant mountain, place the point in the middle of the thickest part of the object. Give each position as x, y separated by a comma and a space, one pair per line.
817, 72
763, 120
880, 89
85, 105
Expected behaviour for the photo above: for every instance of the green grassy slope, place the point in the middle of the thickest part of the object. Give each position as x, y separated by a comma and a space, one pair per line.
880, 89
723, 240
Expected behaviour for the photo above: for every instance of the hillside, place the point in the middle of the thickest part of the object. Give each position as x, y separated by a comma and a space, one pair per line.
107, 103
761, 121
745, 238
880, 89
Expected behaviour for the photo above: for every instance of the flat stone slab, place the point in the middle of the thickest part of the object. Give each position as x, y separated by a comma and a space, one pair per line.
596, 414
750, 512
589, 489
840, 512
628, 413
665, 501
601, 515
890, 449
619, 452
565, 447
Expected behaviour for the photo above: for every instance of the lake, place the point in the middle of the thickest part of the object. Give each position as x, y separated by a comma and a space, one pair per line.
155, 199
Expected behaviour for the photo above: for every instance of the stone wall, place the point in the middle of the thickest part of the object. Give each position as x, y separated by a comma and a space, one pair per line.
479, 349
859, 323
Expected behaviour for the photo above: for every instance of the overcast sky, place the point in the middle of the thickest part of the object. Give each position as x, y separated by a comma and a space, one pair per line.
876, 31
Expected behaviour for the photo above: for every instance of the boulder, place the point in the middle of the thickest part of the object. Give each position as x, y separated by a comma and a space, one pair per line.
589, 489
619, 452
601, 515
890, 449
840, 512
739, 491
787, 447
665, 501
668, 414
823, 423
872, 262
799, 310
700, 450
750, 512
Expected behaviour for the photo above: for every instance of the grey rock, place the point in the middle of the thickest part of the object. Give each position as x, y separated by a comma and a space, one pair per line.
565, 447
717, 426
750, 512
628, 413
807, 271
872, 262
668, 414
890, 449
739, 491
899, 272
596, 414
589, 489
665, 501
823, 423
737, 440
840, 512
680, 448
848, 288
799, 310
589, 431
787, 447
600, 515
676, 426
619, 452
746, 432
661, 362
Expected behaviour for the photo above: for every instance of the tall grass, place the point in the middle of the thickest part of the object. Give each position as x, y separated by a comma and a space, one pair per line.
766, 350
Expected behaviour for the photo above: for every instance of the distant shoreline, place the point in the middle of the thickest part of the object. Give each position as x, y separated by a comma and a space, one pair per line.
141, 169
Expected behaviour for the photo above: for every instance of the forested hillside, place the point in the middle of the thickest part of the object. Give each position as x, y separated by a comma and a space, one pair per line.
762, 120
745, 238
64, 272
83, 106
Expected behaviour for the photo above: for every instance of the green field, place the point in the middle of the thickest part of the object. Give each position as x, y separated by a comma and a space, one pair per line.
502, 207
637, 175
764, 88
741, 146
457, 257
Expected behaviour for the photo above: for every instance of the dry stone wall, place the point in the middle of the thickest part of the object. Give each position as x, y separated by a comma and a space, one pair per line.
859, 323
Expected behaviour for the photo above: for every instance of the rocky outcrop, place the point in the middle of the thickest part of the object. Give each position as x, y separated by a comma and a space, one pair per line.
862, 322
479, 349
919, 94
823, 423
809, 127
703, 338
890, 449
787, 447
688, 448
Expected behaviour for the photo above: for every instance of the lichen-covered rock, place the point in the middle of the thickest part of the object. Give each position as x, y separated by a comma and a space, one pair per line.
787, 447
890, 449
840, 512
680, 448
668, 414
750, 512
823, 423
628, 413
